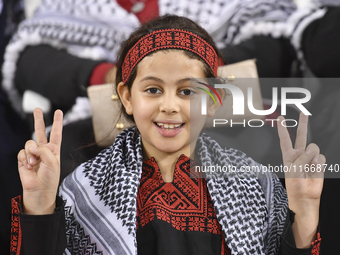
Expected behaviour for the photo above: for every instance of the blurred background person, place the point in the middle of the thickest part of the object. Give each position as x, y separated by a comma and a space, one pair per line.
316, 38
13, 130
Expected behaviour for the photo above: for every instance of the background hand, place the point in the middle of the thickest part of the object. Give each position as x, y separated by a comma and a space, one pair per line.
39, 166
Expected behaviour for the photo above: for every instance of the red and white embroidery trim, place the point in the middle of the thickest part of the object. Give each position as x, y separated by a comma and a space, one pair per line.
169, 39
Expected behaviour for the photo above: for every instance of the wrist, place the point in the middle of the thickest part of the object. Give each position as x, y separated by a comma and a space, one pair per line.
33, 205
305, 227
304, 207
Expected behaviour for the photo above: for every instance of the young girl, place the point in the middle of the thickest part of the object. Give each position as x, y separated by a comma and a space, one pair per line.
137, 196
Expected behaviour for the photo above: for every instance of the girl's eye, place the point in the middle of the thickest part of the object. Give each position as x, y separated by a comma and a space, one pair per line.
153, 91
187, 92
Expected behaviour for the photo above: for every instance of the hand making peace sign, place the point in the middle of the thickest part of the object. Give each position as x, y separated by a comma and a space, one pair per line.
304, 181
39, 166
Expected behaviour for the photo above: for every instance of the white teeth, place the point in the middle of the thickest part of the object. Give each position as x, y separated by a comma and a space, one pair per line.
170, 126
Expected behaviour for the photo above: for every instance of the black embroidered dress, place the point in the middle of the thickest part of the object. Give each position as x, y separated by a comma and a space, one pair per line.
176, 217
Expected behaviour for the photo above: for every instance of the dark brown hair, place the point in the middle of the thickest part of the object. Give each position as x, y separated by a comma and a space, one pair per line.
162, 22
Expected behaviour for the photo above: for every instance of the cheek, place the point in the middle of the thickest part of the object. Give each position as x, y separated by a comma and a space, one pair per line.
142, 110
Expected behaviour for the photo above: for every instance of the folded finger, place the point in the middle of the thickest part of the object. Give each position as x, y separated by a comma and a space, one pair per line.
311, 153
30, 158
45, 155
322, 159
22, 159
319, 159
313, 149
317, 167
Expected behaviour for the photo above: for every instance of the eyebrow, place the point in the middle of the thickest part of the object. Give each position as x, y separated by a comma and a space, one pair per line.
161, 81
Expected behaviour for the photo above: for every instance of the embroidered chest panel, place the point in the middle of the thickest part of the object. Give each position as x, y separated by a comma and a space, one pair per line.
185, 203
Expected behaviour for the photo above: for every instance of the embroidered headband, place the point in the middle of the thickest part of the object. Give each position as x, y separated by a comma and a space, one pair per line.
169, 39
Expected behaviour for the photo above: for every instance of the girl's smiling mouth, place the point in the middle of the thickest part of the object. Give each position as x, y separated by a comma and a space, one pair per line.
168, 129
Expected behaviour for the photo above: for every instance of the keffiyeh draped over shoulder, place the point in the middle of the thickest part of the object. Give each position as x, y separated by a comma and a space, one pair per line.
101, 201
95, 29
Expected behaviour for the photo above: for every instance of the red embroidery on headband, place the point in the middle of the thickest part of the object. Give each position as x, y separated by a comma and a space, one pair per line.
169, 39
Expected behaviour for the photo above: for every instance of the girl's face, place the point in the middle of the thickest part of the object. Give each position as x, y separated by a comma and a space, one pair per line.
160, 102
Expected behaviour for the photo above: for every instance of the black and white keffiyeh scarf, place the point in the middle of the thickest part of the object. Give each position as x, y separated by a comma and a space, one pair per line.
101, 201
95, 29
299, 20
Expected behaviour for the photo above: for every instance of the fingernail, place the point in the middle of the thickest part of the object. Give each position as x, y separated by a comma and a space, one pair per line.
31, 160
316, 159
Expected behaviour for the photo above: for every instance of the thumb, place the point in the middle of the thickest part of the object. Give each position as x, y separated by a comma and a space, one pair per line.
45, 154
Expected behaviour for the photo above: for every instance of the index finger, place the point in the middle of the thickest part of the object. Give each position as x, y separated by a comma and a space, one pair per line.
57, 128
285, 141
39, 126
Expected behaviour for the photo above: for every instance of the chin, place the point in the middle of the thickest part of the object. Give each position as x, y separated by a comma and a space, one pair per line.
170, 149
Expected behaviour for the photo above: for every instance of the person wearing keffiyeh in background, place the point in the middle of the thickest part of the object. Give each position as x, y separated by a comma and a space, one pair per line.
13, 130
316, 38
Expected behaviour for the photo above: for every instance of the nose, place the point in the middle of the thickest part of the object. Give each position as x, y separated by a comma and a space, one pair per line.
169, 104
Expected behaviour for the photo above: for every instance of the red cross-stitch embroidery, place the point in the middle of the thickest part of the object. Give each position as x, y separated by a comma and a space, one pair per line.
168, 39
15, 227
